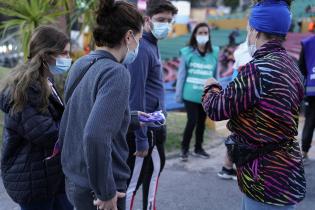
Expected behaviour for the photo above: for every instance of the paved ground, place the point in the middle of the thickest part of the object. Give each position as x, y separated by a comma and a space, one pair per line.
195, 186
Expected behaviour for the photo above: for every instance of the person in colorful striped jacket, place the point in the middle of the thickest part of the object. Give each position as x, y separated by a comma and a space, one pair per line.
263, 105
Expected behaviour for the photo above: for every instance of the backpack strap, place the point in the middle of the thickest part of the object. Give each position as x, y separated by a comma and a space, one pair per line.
80, 77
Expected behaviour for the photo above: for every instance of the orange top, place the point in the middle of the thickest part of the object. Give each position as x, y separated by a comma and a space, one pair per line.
311, 26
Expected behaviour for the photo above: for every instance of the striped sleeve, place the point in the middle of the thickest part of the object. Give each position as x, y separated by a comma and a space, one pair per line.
240, 95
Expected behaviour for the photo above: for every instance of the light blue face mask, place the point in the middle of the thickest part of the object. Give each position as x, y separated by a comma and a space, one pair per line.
161, 30
62, 66
131, 55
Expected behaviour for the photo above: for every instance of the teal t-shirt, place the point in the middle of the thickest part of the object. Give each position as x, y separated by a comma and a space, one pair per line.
199, 69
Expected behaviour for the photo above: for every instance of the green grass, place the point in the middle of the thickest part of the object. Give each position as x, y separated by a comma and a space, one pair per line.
3, 72
176, 122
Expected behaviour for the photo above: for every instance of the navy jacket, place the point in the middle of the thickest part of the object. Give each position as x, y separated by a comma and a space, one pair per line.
28, 138
146, 84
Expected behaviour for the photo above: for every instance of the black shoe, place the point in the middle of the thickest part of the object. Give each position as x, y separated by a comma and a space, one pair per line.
184, 155
227, 173
201, 153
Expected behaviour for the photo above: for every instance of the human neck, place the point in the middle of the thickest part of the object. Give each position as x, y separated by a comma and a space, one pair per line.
202, 48
116, 52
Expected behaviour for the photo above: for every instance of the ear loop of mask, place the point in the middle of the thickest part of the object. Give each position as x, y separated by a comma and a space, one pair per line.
255, 44
127, 45
256, 40
44, 63
151, 24
133, 36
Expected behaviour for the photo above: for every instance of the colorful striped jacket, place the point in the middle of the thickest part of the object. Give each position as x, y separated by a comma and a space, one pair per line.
263, 105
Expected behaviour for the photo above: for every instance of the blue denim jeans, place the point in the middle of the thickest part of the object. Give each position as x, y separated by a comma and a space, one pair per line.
59, 202
250, 204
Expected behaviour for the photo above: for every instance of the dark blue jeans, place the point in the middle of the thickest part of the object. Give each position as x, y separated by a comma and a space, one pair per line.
59, 202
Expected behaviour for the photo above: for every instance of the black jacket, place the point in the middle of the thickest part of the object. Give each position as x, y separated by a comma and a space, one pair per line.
28, 138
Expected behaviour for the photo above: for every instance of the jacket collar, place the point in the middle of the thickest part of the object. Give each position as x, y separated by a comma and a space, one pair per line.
269, 47
103, 53
150, 37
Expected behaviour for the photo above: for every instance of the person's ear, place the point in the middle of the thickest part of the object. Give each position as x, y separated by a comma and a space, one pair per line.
128, 37
147, 19
147, 22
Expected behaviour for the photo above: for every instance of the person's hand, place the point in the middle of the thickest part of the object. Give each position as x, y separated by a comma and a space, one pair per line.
144, 115
210, 82
110, 204
142, 154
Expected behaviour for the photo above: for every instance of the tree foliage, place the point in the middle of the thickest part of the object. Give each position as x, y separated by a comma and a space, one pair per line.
26, 15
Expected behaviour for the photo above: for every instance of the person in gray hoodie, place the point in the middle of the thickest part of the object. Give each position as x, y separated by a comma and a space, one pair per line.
94, 125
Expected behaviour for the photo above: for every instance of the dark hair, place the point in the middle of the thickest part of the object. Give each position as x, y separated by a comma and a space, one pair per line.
158, 6
289, 2
114, 19
269, 36
193, 41
46, 42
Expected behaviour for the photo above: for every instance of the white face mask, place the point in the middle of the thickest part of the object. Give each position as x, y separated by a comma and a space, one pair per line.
161, 30
252, 48
241, 55
202, 39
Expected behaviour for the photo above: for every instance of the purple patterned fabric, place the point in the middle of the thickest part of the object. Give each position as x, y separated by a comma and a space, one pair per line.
263, 105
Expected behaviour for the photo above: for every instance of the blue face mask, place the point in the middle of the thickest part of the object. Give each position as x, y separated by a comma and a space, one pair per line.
131, 55
161, 30
62, 66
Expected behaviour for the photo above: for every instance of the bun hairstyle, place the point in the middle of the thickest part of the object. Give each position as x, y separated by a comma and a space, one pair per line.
158, 6
289, 2
113, 20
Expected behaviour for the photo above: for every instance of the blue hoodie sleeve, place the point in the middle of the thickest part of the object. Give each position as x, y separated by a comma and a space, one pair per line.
110, 104
139, 73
